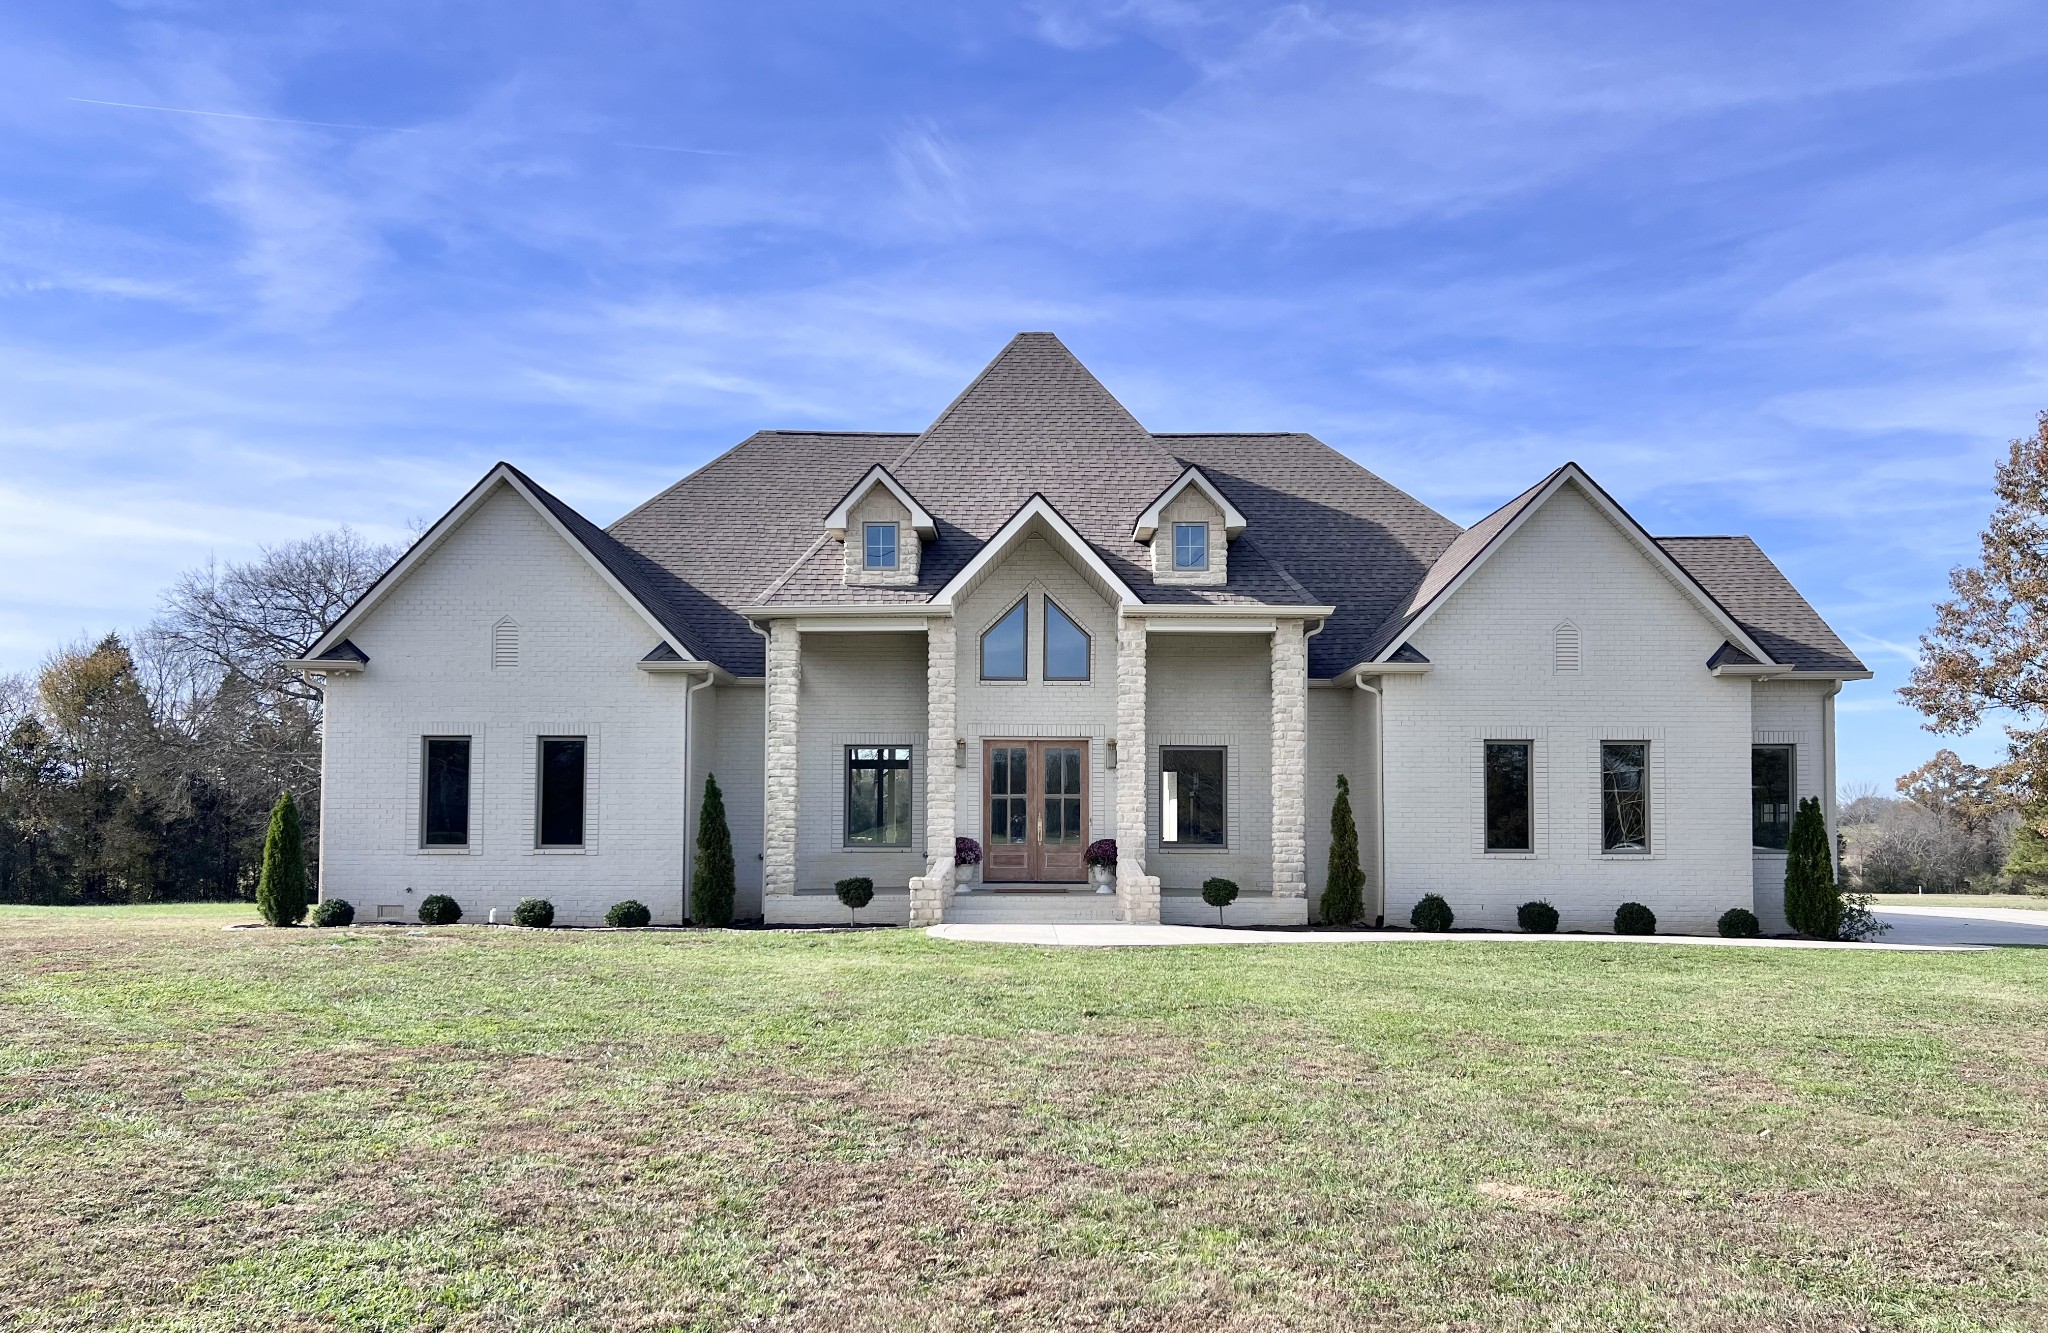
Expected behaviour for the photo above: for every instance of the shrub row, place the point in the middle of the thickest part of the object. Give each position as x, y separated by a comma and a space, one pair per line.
438, 909
1540, 918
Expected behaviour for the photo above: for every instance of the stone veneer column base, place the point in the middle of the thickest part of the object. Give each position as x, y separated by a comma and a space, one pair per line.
1290, 760
778, 831
1137, 893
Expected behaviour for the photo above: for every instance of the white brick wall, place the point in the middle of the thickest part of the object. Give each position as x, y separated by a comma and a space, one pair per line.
430, 673
1643, 678
1788, 713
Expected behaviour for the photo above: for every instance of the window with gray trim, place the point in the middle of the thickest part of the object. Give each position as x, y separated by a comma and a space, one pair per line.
1191, 546
878, 796
1770, 796
559, 796
1507, 796
444, 791
1066, 645
880, 540
1003, 645
1624, 796
1191, 796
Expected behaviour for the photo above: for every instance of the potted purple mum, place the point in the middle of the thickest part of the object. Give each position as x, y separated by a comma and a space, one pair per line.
1100, 858
967, 861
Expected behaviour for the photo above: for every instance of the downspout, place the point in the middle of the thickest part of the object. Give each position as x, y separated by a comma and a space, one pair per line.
1827, 774
1379, 791
690, 786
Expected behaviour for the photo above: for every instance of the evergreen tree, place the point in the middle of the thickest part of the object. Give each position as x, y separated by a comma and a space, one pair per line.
712, 882
281, 892
2027, 861
1813, 901
1342, 898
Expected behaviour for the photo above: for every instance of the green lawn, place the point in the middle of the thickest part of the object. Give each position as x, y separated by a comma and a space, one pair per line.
478, 1129
2026, 902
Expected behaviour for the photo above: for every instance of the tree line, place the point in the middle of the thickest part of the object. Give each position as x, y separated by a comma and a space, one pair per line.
143, 768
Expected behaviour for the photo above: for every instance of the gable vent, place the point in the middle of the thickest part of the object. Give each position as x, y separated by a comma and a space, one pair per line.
505, 644
1564, 649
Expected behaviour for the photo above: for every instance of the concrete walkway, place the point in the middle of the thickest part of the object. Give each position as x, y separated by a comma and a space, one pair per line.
1097, 936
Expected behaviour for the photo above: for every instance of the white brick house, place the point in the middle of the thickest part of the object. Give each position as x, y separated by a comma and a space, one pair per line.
1036, 624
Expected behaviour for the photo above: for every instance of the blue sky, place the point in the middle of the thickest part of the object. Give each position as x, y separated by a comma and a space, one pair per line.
1765, 268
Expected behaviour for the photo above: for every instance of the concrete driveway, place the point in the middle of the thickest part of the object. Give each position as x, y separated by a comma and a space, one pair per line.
1963, 925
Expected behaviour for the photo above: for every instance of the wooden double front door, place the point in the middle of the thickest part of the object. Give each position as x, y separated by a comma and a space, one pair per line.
1034, 810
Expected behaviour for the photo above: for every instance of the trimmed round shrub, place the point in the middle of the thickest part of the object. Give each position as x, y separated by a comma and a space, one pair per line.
1634, 919
334, 912
1218, 892
534, 912
966, 852
1538, 918
1432, 913
1739, 923
631, 912
438, 909
856, 892
1101, 854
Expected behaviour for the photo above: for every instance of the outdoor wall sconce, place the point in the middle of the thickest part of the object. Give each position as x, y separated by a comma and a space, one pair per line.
1111, 753
959, 752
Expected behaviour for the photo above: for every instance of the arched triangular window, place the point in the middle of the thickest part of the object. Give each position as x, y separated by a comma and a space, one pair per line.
1066, 645
1002, 646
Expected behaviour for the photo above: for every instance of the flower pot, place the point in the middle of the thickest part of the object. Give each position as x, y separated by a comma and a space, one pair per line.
1103, 878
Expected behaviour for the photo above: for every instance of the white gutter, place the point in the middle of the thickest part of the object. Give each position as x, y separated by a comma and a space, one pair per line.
1827, 771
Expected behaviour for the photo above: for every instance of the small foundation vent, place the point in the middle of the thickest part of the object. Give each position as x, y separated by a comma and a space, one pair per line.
505, 644
1564, 649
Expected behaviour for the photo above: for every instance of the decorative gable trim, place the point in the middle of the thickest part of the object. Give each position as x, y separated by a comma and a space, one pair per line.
1037, 513
920, 521
1148, 522
1571, 474
504, 474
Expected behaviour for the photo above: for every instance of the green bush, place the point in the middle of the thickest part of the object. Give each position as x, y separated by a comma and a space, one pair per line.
1343, 885
1538, 918
1432, 913
1634, 919
1813, 901
714, 878
631, 912
537, 912
334, 912
281, 887
1739, 923
856, 892
438, 909
1219, 893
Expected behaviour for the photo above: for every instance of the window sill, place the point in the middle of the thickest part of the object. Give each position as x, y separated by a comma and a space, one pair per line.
1082, 681
987, 681
863, 847
442, 851
561, 851
1767, 851
1509, 854
1175, 849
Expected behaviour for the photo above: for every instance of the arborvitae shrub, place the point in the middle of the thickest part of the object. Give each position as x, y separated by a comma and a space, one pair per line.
1344, 881
1432, 913
438, 909
534, 912
856, 892
1538, 918
714, 879
281, 889
1813, 902
1739, 923
631, 912
1634, 919
334, 912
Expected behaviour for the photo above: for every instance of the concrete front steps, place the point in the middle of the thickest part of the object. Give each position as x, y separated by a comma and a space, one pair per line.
991, 905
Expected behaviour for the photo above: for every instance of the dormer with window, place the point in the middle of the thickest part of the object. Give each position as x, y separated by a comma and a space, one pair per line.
1190, 527
884, 530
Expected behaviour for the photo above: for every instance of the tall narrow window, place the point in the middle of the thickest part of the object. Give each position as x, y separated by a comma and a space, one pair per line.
1624, 796
444, 791
560, 816
1191, 546
878, 796
1507, 796
1770, 796
1066, 646
881, 545
1191, 793
1002, 646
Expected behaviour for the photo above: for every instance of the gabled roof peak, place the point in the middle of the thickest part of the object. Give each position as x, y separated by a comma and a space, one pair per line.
836, 521
1148, 522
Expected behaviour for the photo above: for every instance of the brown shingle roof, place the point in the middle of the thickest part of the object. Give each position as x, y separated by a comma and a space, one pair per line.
1763, 601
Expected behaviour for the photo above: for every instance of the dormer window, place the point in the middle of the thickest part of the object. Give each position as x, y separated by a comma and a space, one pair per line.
881, 545
1191, 546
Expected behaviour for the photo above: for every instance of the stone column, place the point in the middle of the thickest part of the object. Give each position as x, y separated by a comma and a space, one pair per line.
778, 833
931, 892
1290, 760
1137, 894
